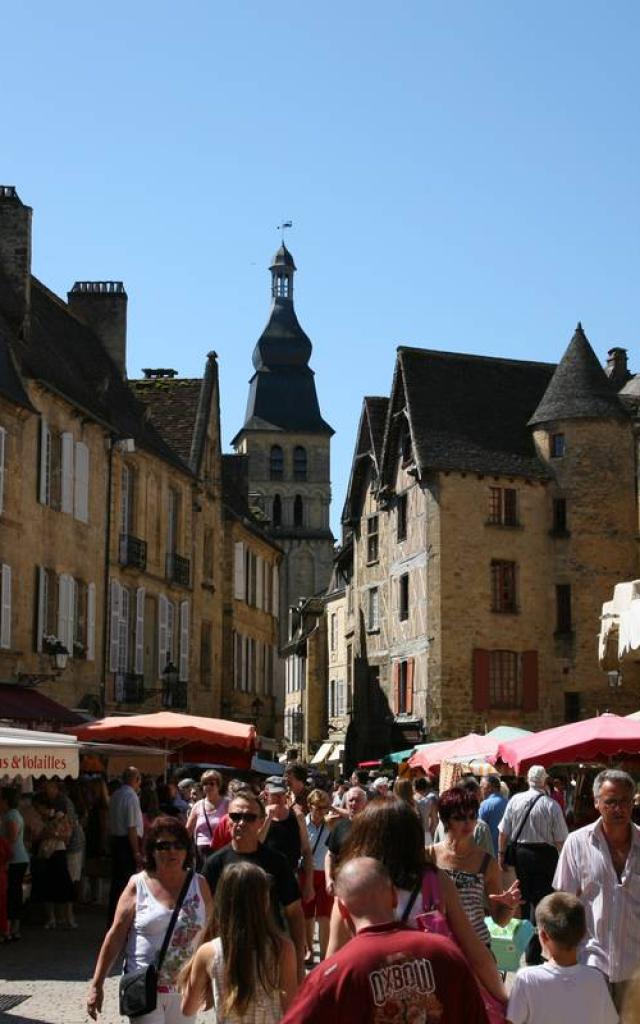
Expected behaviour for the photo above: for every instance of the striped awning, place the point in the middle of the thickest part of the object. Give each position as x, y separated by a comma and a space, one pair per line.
322, 753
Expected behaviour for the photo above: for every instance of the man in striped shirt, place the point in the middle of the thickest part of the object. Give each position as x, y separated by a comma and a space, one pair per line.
601, 864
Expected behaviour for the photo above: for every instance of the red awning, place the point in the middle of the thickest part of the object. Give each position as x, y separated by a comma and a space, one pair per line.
24, 704
368, 764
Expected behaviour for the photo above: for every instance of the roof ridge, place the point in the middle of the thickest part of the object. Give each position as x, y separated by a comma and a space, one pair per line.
472, 355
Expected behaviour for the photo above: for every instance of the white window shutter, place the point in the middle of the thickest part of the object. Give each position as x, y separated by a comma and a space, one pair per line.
71, 604
45, 463
183, 667
275, 602
243, 677
67, 473
63, 610
163, 621
5, 622
81, 483
42, 607
123, 631
139, 656
261, 577
238, 589
91, 622
3, 446
114, 618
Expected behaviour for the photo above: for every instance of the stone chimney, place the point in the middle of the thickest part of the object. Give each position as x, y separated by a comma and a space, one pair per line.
616, 368
102, 305
15, 257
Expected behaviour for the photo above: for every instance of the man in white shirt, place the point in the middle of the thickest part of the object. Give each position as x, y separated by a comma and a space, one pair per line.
601, 864
125, 833
536, 824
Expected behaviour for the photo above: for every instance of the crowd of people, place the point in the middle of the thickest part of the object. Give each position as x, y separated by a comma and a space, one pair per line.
297, 899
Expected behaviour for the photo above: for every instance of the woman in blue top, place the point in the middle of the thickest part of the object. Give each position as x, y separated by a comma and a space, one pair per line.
12, 826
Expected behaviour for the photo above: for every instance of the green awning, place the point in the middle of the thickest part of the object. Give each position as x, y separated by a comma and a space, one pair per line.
398, 756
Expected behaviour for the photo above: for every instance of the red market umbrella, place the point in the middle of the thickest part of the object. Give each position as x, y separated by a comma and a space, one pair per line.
191, 738
472, 745
595, 739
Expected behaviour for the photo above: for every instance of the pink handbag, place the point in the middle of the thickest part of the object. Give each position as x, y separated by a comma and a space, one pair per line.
433, 920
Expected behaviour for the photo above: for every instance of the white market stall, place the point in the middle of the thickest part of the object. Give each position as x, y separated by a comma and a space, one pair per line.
25, 752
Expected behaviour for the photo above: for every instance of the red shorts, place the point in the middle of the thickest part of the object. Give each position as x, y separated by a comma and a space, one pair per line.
321, 904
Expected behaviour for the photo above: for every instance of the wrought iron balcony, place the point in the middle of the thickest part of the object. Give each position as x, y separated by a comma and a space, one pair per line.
133, 551
178, 569
129, 688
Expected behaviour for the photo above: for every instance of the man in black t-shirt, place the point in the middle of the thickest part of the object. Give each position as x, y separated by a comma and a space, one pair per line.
246, 813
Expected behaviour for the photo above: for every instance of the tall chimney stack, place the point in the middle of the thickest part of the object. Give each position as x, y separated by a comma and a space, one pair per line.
15, 257
616, 369
102, 305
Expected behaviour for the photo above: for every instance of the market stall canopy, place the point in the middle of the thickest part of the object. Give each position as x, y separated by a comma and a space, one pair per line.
594, 739
431, 755
398, 756
190, 738
25, 752
24, 704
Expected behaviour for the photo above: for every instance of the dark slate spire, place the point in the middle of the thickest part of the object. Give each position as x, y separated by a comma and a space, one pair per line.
282, 391
579, 388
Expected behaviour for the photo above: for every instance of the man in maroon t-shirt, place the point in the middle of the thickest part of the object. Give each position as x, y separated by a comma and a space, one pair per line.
388, 972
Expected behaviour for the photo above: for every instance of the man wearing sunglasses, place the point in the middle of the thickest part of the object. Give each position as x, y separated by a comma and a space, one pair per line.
246, 813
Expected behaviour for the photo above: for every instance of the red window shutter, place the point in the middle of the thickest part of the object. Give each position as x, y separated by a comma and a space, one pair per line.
410, 670
530, 681
396, 687
480, 679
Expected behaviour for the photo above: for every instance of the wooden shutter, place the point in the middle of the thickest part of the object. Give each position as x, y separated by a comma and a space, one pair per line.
183, 666
5, 621
481, 700
530, 681
163, 623
238, 584
411, 664
3, 445
41, 619
123, 630
138, 665
395, 678
91, 622
45, 463
259, 583
114, 617
81, 483
66, 499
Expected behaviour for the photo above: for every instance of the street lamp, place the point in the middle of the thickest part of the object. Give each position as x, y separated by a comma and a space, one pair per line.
615, 679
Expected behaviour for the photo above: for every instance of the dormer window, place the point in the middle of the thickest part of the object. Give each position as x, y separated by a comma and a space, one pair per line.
557, 446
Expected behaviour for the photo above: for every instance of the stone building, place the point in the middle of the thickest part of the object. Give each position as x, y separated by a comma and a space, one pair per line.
305, 658
103, 523
492, 507
288, 446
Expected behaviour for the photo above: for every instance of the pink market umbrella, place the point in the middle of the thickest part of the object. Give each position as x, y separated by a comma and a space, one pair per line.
469, 746
595, 739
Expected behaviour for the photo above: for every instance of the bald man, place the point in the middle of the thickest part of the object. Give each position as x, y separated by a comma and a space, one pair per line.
388, 971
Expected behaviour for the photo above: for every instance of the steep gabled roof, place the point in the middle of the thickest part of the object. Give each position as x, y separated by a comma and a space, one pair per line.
367, 454
173, 406
579, 388
65, 356
465, 412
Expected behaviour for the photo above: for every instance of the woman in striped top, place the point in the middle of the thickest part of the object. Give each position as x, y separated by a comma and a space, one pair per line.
474, 873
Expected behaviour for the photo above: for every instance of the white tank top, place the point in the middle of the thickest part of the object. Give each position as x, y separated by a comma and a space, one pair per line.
149, 927
265, 1008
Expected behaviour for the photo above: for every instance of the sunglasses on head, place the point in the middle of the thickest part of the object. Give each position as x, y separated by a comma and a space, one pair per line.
236, 816
471, 816
164, 845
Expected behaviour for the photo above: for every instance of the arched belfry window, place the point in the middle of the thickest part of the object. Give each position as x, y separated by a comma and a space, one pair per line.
299, 463
298, 511
282, 288
276, 515
276, 462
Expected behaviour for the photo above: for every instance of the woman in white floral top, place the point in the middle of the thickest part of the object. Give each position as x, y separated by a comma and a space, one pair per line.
142, 918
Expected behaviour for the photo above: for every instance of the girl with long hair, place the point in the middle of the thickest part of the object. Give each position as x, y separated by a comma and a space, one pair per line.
247, 973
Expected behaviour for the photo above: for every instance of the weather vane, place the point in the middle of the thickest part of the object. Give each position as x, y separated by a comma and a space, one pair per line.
281, 228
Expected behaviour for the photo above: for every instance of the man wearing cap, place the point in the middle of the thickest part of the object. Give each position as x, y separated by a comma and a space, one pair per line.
285, 831
536, 823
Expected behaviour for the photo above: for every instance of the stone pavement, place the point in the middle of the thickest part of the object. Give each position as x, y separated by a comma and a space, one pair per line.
50, 971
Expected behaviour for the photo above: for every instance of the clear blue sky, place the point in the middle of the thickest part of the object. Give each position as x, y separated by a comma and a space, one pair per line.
461, 176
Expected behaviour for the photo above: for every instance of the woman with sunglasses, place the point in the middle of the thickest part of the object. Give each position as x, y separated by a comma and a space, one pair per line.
248, 971
143, 915
474, 872
206, 814
391, 832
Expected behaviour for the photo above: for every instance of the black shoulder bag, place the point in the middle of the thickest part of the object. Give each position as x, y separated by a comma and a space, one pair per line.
139, 989
510, 849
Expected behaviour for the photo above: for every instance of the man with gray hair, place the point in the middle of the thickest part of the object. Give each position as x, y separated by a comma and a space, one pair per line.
535, 824
600, 863
355, 801
388, 971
